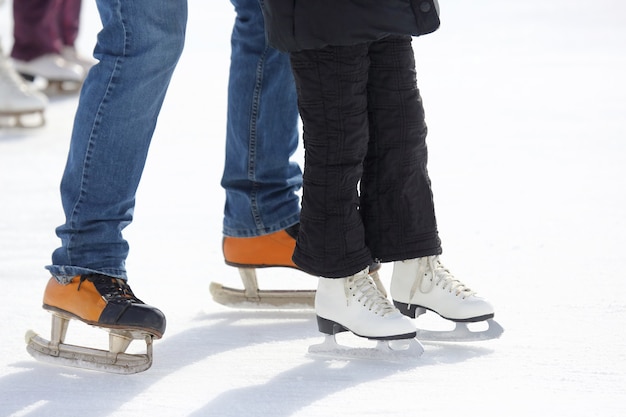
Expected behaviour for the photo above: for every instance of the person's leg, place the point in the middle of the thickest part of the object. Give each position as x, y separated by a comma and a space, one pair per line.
138, 49
69, 21
37, 50
69, 26
35, 29
397, 202
396, 199
332, 98
262, 133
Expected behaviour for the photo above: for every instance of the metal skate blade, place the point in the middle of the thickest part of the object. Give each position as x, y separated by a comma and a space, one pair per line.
262, 299
62, 87
384, 350
462, 333
88, 358
27, 120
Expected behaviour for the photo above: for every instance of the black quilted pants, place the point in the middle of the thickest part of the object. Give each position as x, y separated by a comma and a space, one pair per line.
366, 192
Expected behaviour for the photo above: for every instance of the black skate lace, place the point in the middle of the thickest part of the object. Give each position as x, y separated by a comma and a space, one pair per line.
370, 296
432, 271
111, 289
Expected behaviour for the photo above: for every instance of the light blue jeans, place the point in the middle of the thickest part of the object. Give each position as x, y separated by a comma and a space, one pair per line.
138, 49
262, 132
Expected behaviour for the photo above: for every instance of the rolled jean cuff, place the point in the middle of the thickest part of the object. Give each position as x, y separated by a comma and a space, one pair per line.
276, 227
64, 273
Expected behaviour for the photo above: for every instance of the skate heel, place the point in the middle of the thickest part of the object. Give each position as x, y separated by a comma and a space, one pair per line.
59, 326
329, 327
269, 250
409, 310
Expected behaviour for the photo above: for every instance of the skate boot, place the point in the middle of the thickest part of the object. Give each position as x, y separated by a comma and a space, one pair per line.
355, 304
57, 74
273, 249
100, 301
265, 251
20, 105
70, 54
422, 284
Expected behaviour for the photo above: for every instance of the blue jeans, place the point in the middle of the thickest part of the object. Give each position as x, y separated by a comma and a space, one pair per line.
138, 49
262, 132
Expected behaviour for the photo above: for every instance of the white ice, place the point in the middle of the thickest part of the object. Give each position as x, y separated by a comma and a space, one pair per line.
526, 106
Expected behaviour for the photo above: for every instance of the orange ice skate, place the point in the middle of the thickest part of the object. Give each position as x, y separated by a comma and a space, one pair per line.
248, 254
104, 302
270, 250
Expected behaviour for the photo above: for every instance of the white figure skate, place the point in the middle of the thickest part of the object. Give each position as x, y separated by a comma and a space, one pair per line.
423, 284
52, 73
355, 304
20, 105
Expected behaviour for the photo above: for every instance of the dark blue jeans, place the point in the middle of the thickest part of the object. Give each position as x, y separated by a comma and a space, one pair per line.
259, 178
137, 49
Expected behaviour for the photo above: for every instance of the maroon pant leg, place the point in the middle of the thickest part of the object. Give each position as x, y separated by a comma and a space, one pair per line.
69, 17
36, 28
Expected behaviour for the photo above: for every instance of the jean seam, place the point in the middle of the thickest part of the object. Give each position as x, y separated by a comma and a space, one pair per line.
256, 98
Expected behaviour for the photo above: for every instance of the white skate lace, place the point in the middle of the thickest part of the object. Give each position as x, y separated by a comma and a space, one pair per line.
367, 293
433, 273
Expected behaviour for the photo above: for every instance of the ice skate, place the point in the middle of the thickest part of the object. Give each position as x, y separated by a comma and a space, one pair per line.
355, 304
20, 106
249, 253
70, 54
266, 251
53, 73
104, 302
422, 284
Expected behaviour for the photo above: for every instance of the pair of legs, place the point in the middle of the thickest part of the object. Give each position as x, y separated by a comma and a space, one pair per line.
367, 194
364, 127
44, 27
112, 134
44, 34
98, 194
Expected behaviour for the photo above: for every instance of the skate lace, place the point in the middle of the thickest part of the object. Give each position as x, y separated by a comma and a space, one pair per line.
111, 289
435, 275
362, 288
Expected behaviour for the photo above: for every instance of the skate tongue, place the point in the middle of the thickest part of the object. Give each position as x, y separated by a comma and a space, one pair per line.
384, 350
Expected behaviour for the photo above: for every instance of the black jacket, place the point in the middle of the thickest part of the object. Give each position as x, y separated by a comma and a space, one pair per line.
294, 25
